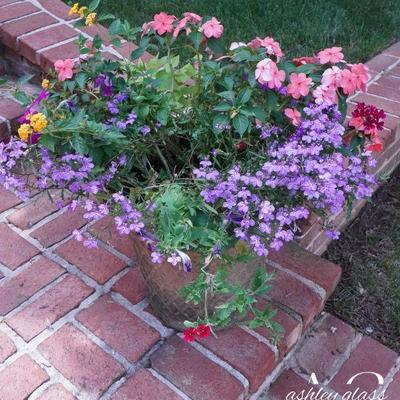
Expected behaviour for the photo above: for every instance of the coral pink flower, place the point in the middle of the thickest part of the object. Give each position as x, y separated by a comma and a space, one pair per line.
146, 27
192, 17
304, 60
331, 77
162, 23
189, 334
360, 75
325, 94
213, 28
267, 73
272, 47
357, 123
181, 25
293, 115
299, 85
332, 55
64, 68
256, 43
348, 82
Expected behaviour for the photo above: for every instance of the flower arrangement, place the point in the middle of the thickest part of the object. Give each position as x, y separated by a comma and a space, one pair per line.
201, 148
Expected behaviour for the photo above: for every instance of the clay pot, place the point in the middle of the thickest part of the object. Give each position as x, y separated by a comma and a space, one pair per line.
164, 281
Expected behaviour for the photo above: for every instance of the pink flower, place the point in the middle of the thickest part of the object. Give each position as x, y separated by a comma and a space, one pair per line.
146, 27
332, 55
331, 77
357, 123
360, 75
181, 25
267, 73
304, 60
192, 17
213, 28
64, 69
272, 47
299, 85
293, 115
325, 94
256, 43
348, 82
162, 23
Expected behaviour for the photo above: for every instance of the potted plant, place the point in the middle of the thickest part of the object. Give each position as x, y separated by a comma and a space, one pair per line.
209, 156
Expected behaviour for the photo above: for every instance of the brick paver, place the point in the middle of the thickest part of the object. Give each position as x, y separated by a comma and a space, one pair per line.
103, 340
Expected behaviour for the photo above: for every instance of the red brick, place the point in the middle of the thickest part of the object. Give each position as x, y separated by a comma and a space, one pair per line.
393, 390
30, 44
144, 386
295, 295
57, 8
11, 30
105, 230
254, 359
14, 249
395, 71
380, 62
4, 131
48, 308
8, 199
383, 91
369, 355
292, 329
132, 286
7, 347
106, 317
34, 212
49, 57
98, 263
17, 10
388, 81
25, 375
5, 2
81, 361
393, 50
195, 374
22, 286
316, 269
389, 106
10, 109
287, 384
57, 392
332, 338
59, 228
126, 49
97, 30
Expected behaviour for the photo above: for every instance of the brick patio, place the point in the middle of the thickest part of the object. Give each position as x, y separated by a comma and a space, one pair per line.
75, 323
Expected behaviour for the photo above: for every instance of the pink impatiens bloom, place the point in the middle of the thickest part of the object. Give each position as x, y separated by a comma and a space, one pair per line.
293, 115
360, 75
331, 77
162, 23
180, 26
348, 82
256, 43
272, 47
64, 68
192, 17
267, 73
325, 94
299, 85
213, 28
332, 55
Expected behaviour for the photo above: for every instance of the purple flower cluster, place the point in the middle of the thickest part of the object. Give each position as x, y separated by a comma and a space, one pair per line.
104, 83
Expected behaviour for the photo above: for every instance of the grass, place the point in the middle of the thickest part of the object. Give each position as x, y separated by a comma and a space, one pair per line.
361, 27
368, 295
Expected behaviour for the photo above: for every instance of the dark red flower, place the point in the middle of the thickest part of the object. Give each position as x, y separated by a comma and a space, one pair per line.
189, 334
203, 331
372, 117
241, 146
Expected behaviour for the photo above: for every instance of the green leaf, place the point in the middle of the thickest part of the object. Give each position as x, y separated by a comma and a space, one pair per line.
105, 17
79, 145
162, 116
242, 55
222, 107
272, 100
219, 121
228, 94
137, 53
244, 96
115, 27
21, 97
195, 37
93, 5
240, 123
81, 79
259, 113
116, 42
48, 142
97, 42
25, 79
306, 68
216, 46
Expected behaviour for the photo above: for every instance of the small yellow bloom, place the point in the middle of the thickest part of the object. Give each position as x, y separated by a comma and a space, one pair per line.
82, 11
74, 9
24, 132
45, 84
90, 19
38, 122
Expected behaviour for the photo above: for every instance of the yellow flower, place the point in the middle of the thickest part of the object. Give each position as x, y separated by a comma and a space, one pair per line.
38, 122
45, 84
74, 9
81, 11
90, 19
24, 131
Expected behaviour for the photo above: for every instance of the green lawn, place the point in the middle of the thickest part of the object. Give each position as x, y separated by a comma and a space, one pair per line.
368, 295
361, 27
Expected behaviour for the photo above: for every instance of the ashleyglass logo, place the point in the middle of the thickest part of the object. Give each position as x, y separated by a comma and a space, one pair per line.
354, 394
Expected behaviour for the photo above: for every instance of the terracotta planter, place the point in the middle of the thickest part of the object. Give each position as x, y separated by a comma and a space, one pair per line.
164, 280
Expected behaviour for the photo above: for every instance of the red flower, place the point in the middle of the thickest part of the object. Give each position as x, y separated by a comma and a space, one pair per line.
203, 331
367, 118
189, 334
